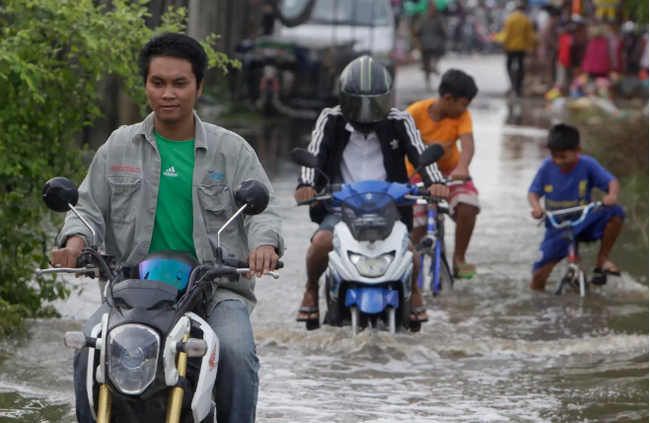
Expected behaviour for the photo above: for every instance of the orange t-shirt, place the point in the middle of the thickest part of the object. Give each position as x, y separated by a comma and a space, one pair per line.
445, 132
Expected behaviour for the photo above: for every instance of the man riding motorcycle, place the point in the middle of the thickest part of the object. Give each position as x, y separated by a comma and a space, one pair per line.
363, 138
167, 183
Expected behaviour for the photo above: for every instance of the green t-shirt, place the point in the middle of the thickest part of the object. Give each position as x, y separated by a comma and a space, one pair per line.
174, 222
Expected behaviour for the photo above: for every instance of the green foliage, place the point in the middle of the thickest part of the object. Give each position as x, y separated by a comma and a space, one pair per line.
53, 54
621, 146
638, 10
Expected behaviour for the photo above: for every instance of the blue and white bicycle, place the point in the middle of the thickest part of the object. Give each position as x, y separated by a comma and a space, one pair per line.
435, 273
575, 277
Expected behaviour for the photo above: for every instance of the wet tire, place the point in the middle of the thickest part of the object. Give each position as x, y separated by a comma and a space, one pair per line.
563, 285
335, 312
415, 326
404, 313
445, 276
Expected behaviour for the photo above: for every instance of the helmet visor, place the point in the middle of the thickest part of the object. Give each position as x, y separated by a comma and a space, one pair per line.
173, 272
366, 109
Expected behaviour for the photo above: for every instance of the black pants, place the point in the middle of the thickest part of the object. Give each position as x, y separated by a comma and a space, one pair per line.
516, 75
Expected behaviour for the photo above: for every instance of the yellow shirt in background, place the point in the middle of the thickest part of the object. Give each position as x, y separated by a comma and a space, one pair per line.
518, 33
446, 132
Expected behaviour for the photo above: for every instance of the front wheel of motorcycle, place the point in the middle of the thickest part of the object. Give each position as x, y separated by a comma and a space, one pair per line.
335, 311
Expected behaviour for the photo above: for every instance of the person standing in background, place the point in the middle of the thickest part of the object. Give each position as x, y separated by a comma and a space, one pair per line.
549, 41
432, 36
397, 13
268, 17
519, 38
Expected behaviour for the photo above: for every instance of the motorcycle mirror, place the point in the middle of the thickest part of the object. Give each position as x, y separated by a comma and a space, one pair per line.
431, 154
304, 158
253, 195
59, 194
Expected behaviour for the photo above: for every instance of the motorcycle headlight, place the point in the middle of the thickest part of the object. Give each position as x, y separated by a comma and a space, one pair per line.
132, 357
371, 267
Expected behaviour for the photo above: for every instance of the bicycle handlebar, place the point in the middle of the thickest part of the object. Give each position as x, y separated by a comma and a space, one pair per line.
551, 215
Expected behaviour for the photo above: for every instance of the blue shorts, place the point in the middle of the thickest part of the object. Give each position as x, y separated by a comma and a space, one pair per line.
328, 223
556, 242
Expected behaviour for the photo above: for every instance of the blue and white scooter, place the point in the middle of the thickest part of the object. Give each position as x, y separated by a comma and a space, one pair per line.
368, 279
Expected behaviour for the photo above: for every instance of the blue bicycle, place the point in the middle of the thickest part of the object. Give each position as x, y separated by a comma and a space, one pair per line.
432, 248
574, 278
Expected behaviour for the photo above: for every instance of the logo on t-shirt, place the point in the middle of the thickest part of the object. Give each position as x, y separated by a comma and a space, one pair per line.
582, 188
171, 172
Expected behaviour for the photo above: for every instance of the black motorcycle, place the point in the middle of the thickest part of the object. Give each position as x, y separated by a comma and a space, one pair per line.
153, 357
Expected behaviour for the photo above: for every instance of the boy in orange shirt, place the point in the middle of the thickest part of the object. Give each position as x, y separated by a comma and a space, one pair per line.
444, 121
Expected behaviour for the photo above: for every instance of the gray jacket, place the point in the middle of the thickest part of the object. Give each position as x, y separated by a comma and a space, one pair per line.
118, 198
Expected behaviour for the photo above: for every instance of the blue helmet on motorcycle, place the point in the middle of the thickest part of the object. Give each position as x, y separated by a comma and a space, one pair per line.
172, 267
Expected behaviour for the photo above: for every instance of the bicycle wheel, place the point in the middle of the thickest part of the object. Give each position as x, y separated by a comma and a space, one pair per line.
569, 282
445, 278
440, 225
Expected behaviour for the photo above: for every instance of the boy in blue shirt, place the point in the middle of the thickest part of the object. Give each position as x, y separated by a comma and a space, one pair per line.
566, 180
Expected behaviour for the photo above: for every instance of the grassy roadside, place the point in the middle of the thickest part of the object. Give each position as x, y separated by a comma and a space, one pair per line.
621, 146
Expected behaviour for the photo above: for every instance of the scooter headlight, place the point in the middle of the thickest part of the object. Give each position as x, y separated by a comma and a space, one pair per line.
132, 357
371, 267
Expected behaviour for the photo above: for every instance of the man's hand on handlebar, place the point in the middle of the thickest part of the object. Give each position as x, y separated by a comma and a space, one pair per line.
439, 191
262, 260
69, 255
304, 193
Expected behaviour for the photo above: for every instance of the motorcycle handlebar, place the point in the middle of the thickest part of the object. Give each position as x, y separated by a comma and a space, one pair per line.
314, 200
243, 264
94, 270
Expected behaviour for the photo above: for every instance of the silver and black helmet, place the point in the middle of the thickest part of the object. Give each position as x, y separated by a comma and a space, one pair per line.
366, 93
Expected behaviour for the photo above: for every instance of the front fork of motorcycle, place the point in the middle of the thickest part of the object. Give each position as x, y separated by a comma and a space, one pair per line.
175, 395
105, 402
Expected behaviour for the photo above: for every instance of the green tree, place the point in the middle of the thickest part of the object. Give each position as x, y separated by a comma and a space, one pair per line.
53, 54
638, 10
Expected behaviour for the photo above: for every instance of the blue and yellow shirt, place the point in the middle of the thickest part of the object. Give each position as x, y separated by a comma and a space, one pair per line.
563, 190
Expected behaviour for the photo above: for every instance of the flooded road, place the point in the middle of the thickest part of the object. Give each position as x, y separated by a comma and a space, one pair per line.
491, 352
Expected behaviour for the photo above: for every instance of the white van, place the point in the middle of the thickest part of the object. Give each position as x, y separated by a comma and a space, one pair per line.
370, 23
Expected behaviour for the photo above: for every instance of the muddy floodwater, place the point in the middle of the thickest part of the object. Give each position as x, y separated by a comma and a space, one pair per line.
491, 352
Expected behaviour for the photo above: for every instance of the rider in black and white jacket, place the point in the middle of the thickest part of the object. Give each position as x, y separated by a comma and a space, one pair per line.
334, 143
364, 138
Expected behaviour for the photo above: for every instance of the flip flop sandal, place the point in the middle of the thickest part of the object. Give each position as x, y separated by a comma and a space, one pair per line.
311, 323
464, 271
414, 314
309, 311
600, 276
